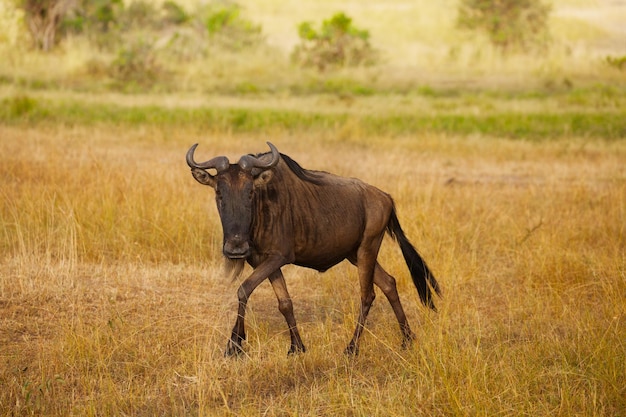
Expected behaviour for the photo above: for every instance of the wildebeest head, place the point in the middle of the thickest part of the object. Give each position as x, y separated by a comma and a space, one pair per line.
235, 186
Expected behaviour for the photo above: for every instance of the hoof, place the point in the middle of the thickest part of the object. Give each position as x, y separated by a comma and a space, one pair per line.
295, 350
408, 341
233, 350
351, 350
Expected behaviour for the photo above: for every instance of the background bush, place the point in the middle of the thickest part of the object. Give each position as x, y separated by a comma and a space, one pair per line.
510, 25
218, 46
338, 43
136, 65
618, 62
227, 28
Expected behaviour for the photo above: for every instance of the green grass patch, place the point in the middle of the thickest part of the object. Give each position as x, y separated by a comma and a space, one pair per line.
608, 124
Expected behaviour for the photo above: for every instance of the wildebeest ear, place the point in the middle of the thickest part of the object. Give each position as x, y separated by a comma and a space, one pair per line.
263, 178
203, 177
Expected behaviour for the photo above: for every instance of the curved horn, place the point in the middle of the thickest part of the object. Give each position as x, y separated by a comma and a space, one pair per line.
247, 162
220, 163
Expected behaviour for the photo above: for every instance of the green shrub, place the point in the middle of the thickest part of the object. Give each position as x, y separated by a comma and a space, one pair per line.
102, 16
140, 14
338, 43
108, 23
510, 25
111, 25
174, 14
18, 106
91, 16
227, 28
618, 62
136, 65
98, 20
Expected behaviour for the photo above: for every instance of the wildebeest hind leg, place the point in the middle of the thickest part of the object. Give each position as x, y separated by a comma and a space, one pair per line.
286, 308
387, 284
365, 262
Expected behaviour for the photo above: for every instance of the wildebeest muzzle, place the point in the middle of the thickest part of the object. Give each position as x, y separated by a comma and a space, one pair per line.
236, 247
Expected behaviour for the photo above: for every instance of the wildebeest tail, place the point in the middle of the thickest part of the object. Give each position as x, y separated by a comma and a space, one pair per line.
423, 278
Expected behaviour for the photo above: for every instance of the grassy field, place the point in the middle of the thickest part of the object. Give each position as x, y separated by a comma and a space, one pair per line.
509, 176
113, 300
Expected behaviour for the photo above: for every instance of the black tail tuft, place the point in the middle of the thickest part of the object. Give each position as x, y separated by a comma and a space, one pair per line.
423, 278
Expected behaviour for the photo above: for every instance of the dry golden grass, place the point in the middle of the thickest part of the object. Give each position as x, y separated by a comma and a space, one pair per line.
113, 302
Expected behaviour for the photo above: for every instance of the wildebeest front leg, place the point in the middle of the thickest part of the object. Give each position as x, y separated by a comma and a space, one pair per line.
286, 308
238, 335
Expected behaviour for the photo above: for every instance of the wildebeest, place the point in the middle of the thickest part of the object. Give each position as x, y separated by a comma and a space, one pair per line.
274, 213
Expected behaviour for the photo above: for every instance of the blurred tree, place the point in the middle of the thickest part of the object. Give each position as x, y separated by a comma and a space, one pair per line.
511, 25
43, 19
